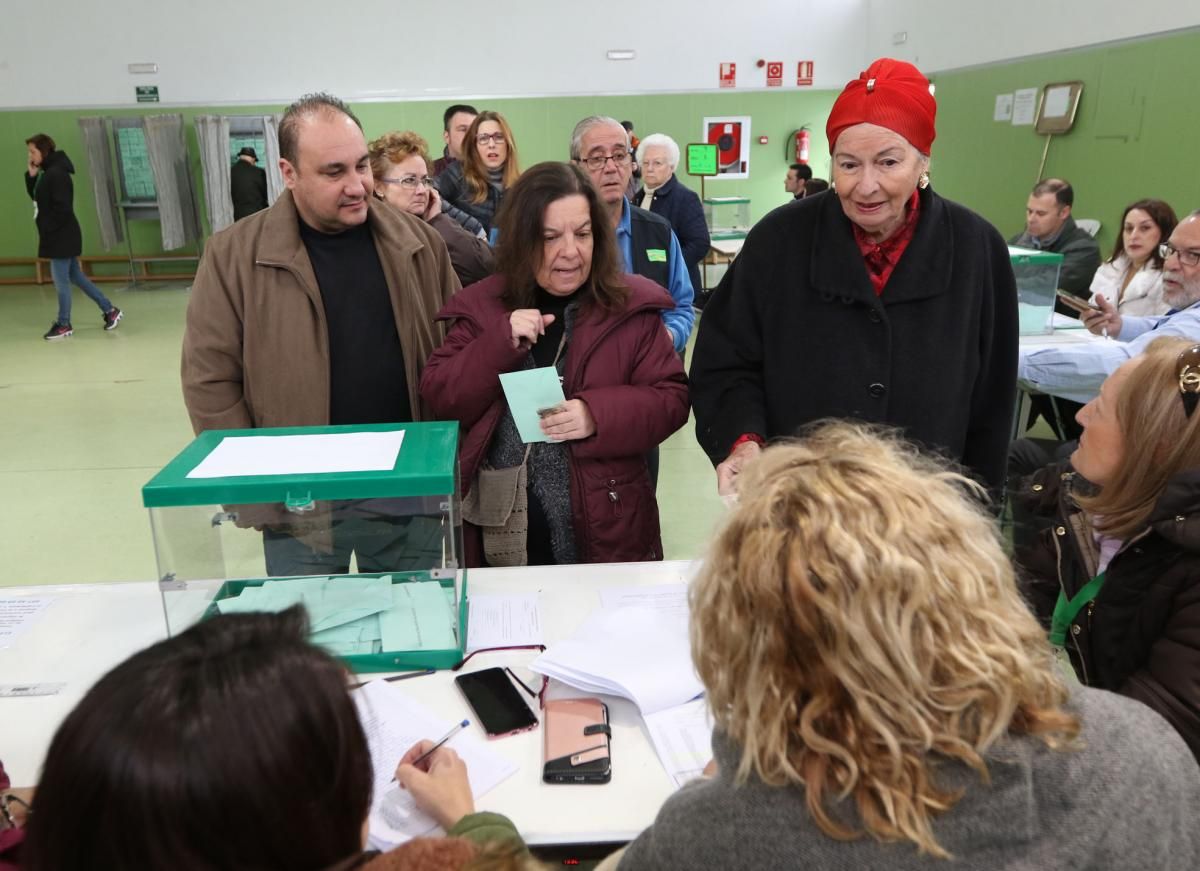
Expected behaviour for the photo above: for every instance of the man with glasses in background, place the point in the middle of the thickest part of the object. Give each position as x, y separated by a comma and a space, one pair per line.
600, 145
1076, 371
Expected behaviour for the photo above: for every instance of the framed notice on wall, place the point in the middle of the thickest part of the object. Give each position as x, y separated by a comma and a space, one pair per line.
701, 159
1060, 102
731, 135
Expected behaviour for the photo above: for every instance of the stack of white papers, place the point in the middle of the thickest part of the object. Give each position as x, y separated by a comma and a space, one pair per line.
351, 616
394, 722
503, 620
640, 653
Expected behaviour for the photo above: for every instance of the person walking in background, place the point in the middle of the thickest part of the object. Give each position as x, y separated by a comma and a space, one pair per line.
456, 121
48, 180
247, 184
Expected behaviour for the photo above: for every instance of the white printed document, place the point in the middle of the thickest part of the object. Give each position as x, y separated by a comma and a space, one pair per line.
660, 597
682, 738
394, 722
17, 614
321, 453
503, 620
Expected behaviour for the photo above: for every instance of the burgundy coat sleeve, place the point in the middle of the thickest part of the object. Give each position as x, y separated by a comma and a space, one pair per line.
632, 418
462, 378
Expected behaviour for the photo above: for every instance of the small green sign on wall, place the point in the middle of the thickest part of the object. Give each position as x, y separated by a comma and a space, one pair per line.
147, 93
701, 158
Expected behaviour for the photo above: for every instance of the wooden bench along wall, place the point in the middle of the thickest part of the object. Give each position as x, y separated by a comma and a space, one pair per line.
41, 268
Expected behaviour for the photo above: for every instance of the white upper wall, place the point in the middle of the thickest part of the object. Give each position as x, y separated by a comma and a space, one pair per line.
949, 34
75, 52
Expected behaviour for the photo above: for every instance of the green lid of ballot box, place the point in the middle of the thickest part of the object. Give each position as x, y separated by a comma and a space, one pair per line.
260, 519
1037, 280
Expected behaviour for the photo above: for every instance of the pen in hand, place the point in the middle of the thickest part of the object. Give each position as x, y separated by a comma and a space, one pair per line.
457, 728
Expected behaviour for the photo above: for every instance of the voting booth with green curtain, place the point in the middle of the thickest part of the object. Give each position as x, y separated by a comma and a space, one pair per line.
360, 524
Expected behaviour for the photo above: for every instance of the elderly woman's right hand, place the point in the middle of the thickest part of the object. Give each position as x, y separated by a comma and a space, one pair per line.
1104, 322
439, 785
528, 325
727, 472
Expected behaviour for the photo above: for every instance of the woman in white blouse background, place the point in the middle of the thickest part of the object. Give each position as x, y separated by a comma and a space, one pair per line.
1131, 279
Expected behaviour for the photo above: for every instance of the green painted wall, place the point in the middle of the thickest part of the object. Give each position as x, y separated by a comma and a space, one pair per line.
542, 128
1135, 134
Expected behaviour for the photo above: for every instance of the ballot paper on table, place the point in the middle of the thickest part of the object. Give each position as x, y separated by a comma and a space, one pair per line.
503, 620
640, 653
394, 722
527, 392
682, 737
319, 453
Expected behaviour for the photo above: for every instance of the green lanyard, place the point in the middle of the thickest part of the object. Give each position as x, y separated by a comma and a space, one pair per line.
1066, 609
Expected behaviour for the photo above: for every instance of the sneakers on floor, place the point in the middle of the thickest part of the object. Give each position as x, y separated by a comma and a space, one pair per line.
58, 331
111, 319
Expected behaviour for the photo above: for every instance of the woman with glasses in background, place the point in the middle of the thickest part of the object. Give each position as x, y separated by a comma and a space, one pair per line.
489, 166
1117, 575
1132, 278
401, 166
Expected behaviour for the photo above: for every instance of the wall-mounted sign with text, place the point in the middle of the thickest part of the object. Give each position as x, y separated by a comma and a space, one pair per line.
774, 74
728, 75
147, 93
804, 73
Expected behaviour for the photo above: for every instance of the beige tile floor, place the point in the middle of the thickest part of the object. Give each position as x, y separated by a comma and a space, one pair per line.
85, 421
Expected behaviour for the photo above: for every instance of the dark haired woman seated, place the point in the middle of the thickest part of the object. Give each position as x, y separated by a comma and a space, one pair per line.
235, 745
883, 699
559, 299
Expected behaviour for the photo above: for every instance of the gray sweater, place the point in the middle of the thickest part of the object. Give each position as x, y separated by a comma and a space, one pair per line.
1129, 800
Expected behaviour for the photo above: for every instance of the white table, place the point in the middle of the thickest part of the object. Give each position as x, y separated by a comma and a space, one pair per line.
90, 628
1070, 336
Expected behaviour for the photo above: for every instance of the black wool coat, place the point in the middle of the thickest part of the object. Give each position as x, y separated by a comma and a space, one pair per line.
54, 192
1140, 637
795, 333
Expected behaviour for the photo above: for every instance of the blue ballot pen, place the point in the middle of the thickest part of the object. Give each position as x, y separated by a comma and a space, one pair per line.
458, 728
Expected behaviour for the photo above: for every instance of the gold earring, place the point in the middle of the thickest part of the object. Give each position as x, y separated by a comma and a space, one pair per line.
923, 181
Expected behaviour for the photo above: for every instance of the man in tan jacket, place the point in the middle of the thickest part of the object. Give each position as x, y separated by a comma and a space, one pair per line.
319, 310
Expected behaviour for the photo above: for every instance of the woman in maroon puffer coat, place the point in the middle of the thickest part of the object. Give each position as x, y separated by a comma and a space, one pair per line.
559, 284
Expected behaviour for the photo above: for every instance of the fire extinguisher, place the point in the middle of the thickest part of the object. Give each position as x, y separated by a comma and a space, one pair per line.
800, 140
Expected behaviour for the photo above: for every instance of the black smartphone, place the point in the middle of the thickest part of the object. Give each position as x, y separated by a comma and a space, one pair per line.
497, 703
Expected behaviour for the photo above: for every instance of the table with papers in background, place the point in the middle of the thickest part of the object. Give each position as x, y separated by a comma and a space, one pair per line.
87, 629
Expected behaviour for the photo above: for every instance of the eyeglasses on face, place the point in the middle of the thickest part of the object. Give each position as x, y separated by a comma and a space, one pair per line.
1187, 258
1189, 378
410, 182
597, 161
496, 138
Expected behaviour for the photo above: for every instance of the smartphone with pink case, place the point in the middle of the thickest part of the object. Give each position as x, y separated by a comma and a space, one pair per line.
576, 742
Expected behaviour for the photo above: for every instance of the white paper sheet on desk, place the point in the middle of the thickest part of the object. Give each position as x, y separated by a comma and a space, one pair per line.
639, 653
682, 737
17, 614
662, 597
503, 620
301, 454
394, 722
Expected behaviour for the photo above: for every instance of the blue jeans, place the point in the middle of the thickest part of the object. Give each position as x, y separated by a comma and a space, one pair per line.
65, 271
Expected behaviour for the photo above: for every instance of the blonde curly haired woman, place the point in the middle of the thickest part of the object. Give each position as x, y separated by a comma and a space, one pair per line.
883, 698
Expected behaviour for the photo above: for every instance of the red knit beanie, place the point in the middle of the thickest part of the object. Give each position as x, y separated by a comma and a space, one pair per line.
891, 94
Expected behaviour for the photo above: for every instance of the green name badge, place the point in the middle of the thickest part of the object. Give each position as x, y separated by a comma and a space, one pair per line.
656, 255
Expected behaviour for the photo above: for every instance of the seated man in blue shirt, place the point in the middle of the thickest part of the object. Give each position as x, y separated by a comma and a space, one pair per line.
600, 145
1076, 371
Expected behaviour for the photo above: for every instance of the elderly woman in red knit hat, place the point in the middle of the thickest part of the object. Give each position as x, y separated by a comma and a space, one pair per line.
877, 300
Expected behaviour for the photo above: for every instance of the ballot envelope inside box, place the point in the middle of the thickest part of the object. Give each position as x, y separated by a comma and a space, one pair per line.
359, 524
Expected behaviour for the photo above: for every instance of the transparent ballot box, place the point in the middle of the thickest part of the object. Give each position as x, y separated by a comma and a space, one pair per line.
727, 213
360, 524
1037, 280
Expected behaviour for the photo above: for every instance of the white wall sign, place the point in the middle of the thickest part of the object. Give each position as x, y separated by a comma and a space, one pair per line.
1024, 106
1004, 108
